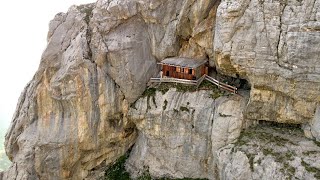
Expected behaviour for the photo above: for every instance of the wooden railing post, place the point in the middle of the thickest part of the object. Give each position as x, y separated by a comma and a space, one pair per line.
197, 82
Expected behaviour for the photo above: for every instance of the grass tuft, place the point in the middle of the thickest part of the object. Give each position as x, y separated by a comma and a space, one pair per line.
86, 9
183, 108
165, 103
117, 171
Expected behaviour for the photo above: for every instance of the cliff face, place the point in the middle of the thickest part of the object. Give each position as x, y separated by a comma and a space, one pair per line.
273, 44
179, 133
75, 113
72, 116
69, 117
266, 152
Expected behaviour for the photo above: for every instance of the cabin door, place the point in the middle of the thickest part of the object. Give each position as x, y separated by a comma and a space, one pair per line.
167, 73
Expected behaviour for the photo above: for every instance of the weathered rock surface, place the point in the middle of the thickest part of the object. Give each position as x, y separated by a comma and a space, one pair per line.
273, 44
69, 117
315, 125
179, 132
72, 116
270, 153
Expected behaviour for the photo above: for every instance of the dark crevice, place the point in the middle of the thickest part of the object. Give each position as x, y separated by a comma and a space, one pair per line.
280, 33
241, 84
277, 124
94, 92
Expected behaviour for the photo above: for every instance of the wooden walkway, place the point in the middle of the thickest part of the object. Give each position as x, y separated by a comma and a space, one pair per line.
173, 80
196, 82
222, 85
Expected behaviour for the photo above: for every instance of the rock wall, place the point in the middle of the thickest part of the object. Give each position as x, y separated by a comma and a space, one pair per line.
72, 116
69, 117
266, 152
179, 132
273, 44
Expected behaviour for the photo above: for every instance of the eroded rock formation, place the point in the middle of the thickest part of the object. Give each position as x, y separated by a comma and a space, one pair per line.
69, 117
73, 115
266, 152
273, 44
179, 133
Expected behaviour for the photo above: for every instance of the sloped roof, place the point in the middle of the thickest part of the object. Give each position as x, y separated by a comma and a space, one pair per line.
184, 62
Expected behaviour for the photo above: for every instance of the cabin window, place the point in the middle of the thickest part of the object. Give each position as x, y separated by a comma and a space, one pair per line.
182, 70
178, 69
190, 71
167, 73
186, 70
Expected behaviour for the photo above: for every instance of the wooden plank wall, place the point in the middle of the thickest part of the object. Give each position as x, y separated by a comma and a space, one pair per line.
204, 70
180, 72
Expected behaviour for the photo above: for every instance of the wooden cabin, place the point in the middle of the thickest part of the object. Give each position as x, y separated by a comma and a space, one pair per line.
183, 68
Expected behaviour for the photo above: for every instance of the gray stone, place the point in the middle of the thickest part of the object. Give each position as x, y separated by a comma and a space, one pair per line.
270, 153
72, 116
274, 45
179, 132
315, 125
69, 117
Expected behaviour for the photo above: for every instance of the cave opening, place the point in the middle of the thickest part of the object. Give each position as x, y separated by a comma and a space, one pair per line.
241, 84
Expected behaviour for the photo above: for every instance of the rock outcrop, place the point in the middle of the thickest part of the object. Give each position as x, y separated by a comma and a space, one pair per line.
73, 115
70, 116
266, 152
273, 44
179, 132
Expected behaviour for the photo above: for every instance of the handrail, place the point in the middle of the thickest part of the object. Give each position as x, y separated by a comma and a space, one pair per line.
183, 81
198, 82
211, 78
222, 85
213, 81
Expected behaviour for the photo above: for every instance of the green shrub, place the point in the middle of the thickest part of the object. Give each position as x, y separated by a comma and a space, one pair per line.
86, 9
165, 103
117, 171
182, 108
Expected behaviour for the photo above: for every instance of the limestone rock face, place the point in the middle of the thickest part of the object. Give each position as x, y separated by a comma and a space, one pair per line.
315, 125
270, 153
273, 44
170, 28
70, 116
179, 133
73, 115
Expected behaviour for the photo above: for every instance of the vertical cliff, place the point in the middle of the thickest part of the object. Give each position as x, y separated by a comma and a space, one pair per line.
179, 132
70, 116
75, 113
273, 44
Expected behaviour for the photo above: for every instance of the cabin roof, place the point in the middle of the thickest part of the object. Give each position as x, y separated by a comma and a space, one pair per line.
184, 62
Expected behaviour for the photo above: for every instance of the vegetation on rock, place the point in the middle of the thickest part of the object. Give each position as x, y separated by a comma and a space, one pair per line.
280, 143
87, 9
117, 171
205, 85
